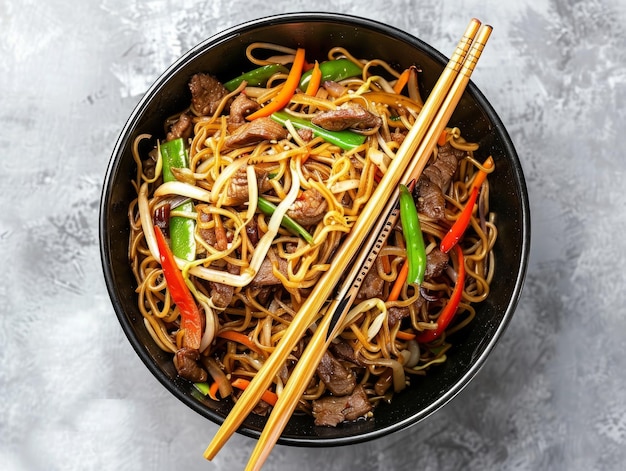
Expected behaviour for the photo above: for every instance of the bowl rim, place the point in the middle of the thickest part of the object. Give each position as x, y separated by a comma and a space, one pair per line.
114, 162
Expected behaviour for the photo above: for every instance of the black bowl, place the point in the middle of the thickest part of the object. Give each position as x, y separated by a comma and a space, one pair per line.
223, 56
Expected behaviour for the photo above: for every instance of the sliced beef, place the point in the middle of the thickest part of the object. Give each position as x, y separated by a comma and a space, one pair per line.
261, 129
342, 350
222, 294
265, 276
309, 208
430, 200
332, 410
436, 263
440, 171
182, 127
238, 191
372, 286
208, 234
338, 379
306, 134
187, 366
206, 93
347, 116
435, 179
241, 107
395, 314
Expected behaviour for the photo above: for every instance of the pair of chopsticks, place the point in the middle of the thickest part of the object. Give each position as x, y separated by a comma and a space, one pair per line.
359, 251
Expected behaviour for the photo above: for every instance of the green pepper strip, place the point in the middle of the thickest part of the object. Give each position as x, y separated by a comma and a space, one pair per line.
345, 139
416, 252
449, 311
288, 223
335, 70
174, 155
256, 77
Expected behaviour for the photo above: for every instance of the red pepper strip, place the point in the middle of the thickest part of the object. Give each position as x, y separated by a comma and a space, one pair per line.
191, 321
268, 396
449, 311
460, 225
289, 88
316, 80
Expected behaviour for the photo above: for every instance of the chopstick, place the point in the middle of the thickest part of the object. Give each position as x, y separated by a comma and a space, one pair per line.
331, 322
346, 252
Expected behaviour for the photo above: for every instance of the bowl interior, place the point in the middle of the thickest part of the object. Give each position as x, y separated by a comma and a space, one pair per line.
223, 56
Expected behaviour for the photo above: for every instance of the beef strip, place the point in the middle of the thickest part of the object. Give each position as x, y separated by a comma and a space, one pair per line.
309, 208
338, 379
395, 314
430, 200
241, 107
435, 179
372, 286
436, 263
265, 276
182, 127
238, 191
440, 171
332, 410
206, 93
222, 294
347, 116
342, 349
187, 366
261, 129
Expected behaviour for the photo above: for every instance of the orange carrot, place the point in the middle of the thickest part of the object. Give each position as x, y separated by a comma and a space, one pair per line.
289, 88
268, 396
404, 335
442, 139
242, 339
399, 283
316, 80
402, 81
213, 390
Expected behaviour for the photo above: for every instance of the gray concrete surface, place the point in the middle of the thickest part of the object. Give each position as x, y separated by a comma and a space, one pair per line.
74, 395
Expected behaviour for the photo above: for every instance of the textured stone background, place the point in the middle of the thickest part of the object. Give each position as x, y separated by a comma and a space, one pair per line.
75, 396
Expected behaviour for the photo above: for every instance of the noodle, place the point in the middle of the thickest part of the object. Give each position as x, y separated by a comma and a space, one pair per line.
251, 271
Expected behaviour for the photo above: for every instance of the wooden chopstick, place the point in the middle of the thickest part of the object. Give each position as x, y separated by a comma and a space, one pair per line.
331, 322
346, 252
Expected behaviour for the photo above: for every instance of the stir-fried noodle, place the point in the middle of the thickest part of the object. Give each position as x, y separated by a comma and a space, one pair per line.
249, 271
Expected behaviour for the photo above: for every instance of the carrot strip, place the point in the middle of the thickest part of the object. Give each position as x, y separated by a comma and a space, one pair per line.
316, 80
442, 138
213, 390
402, 81
238, 337
289, 88
268, 396
405, 335
399, 283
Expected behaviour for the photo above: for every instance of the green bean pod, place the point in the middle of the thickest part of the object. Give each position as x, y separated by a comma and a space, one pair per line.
415, 249
288, 223
256, 77
174, 155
